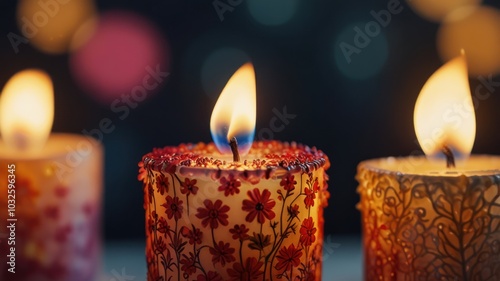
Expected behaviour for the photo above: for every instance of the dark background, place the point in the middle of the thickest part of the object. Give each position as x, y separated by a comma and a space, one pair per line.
297, 65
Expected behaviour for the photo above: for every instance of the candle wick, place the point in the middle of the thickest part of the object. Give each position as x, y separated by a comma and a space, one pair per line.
233, 143
450, 159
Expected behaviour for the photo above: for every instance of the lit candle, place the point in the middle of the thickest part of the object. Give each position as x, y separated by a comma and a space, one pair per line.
236, 209
50, 189
430, 218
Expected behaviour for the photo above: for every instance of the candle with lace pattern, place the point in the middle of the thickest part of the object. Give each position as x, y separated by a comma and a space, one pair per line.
430, 218
254, 212
52, 199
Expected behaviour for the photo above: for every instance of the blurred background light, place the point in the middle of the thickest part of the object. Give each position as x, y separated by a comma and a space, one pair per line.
477, 31
437, 10
218, 67
83, 33
272, 13
50, 25
118, 54
361, 50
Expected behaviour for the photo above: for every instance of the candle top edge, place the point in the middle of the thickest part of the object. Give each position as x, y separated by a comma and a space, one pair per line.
475, 165
58, 145
264, 156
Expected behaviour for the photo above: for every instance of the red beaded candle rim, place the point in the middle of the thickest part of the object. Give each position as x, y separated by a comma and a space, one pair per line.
274, 159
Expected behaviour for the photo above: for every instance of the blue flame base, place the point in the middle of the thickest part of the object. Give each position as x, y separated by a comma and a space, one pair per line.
244, 139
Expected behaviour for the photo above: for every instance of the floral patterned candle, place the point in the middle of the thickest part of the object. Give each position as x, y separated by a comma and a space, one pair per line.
51, 189
210, 219
421, 220
210, 216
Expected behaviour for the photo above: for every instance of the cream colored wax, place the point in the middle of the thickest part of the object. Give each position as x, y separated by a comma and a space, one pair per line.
55, 207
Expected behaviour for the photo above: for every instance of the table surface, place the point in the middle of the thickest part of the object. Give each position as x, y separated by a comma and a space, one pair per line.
125, 261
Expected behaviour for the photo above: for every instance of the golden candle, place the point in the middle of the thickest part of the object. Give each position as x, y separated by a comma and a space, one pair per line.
420, 224
210, 216
51, 189
425, 218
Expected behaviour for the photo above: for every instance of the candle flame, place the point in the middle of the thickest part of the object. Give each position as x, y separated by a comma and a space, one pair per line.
444, 113
27, 110
234, 114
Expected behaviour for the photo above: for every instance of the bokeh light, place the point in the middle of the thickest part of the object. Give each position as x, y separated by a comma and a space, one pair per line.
83, 33
437, 10
123, 50
272, 13
361, 50
218, 67
477, 31
50, 25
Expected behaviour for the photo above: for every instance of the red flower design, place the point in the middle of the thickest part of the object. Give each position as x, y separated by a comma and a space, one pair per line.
310, 196
213, 213
309, 275
260, 206
142, 172
177, 244
239, 232
88, 209
259, 241
188, 263
62, 233
146, 196
162, 184
211, 276
307, 232
173, 207
194, 235
151, 225
52, 212
222, 253
163, 226
288, 182
189, 187
288, 258
61, 191
251, 270
230, 186
293, 212
150, 192
160, 246
316, 186
25, 188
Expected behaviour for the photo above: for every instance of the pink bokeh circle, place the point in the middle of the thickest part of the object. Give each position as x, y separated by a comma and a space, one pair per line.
120, 55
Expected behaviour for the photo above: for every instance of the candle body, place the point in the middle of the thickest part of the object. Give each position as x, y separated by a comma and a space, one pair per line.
54, 210
427, 225
232, 224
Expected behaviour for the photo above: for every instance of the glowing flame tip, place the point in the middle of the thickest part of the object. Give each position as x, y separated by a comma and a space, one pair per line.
27, 110
234, 114
444, 113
